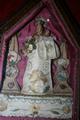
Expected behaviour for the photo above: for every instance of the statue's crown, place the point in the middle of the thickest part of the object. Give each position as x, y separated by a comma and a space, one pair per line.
40, 20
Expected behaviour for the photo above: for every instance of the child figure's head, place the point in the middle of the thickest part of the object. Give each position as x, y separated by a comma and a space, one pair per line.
40, 22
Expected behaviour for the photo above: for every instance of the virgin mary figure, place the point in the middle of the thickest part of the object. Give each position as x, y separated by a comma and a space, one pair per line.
40, 50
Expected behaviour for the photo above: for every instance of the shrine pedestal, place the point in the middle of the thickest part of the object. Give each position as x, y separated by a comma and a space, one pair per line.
36, 106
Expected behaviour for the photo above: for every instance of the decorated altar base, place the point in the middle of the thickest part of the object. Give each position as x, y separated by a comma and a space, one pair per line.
36, 106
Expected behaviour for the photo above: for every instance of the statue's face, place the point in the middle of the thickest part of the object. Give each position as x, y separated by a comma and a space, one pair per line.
39, 28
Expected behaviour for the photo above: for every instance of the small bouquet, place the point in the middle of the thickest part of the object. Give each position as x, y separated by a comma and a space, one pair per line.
30, 45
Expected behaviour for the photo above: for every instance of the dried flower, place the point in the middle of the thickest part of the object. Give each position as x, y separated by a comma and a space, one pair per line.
30, 45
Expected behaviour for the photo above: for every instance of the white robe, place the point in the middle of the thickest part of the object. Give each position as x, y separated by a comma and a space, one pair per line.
37, 76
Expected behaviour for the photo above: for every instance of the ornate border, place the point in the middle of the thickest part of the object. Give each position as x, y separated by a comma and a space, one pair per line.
63, 11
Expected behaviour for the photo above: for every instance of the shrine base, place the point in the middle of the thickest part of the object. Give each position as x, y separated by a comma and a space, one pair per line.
36, 106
